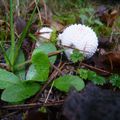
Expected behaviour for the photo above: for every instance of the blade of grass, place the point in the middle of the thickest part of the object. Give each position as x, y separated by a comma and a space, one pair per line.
23, 35
12, 51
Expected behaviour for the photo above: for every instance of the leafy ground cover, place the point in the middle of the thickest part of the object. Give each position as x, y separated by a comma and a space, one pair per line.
35, 81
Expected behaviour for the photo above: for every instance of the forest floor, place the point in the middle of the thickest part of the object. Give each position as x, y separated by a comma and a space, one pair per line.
49, 101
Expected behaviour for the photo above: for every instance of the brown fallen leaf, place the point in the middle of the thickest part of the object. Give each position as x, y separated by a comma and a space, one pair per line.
57, 25
113, 58
108, 16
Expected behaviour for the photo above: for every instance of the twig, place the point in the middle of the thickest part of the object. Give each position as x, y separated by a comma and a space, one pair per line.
32, 105
111, 36
17, 7
73, 48
45, 9
49, 93
56, 68
94, 68
39, 13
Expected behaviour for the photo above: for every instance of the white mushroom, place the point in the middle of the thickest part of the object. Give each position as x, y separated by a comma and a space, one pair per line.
44, 35
80, 37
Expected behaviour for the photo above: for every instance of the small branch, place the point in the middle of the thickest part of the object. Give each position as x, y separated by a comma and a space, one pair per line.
56, 68
72, 47
22, 64
17, 7
94, 68
49, 93
45, 9
32, 105
40, 18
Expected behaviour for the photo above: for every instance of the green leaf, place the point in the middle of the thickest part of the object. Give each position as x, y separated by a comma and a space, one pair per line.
76, 56
84, 18
20, 72
7, 79
41, 65
32, 73
98, 22
99, 80
19, 92
64, 83
96, 79
83, 73
47, 48
90, 75
115, 80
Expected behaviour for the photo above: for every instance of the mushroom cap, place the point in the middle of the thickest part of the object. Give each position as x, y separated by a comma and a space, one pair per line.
80, 37
45, 34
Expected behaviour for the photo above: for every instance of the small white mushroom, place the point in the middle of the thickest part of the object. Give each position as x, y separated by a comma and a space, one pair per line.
80, 37
44, 35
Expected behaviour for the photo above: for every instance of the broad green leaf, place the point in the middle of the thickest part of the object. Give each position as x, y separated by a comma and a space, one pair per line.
19, 92
64, 83
32, 73
47, 48
21, 71
20, 59
41, 65
7, 79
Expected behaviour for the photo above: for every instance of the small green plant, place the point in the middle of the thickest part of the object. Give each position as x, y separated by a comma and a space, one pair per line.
18, 86
90, 75
14, 51
115, 80
64, 5
17, 90
76, 56
87, 16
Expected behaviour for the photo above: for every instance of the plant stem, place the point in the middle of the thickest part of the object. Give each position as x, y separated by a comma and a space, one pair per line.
22, 64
